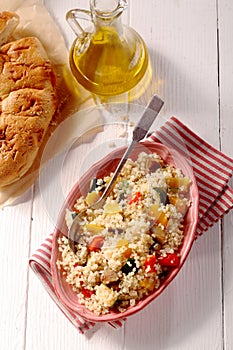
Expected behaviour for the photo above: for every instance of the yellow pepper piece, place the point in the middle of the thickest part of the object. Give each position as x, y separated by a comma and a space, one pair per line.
181, 183
94, 228
162, 219
127, 253
173, 200
158, 215
154, 211
112, 208
122, 243
173, 182
148, 283
181, 204
92, 197
159, 234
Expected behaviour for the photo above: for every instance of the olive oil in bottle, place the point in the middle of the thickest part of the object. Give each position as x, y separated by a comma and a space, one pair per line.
111, 59
109, 66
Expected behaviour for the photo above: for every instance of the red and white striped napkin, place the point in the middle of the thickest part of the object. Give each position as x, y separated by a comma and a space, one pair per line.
212, 170
40, 264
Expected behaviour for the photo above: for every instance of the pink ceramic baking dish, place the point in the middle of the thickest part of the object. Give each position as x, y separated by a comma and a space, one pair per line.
99, 169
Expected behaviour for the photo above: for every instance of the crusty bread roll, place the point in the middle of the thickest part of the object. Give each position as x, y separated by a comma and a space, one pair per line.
8, 23
27, 104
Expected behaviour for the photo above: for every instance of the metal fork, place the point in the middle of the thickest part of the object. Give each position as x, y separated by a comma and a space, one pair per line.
140, 131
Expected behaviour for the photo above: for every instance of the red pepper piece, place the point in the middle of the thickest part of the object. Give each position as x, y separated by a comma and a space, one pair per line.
136, 198
96, 243
150, 263
170, 260
87, 292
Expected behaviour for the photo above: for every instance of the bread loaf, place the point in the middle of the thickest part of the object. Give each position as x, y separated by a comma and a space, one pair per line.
27, 104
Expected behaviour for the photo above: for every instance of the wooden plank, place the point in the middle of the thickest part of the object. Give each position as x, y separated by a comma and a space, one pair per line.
181, 38
226, 113
187, 315
182, 42
46, 322
59, 16
15, 234
44, 315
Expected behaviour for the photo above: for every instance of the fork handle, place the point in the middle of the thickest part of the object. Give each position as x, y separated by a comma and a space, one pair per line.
139, 132
152, 110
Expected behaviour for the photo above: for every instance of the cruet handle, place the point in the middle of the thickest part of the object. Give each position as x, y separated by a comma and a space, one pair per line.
72, 17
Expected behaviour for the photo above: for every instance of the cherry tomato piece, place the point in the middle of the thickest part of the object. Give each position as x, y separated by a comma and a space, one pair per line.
87, 293
170, 260
150, 263
136, 198
96, 243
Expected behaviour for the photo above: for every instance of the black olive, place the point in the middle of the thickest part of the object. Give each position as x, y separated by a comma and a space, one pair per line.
129, 266
164, 273
94, 185
73, 215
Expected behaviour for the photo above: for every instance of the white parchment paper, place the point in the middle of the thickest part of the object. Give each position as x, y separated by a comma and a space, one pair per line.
36, 21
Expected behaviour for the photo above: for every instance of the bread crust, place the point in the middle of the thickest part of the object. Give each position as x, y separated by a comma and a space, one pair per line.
28, 102
8, 23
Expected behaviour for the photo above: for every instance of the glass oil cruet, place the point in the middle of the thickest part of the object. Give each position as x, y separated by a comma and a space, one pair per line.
108, 58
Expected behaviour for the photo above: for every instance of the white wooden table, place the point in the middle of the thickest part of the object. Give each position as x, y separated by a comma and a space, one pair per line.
190, 45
